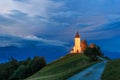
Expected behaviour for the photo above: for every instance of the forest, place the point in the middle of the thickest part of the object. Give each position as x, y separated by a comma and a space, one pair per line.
19, 70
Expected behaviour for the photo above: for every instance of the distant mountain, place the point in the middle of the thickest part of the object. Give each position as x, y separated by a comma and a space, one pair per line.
20, 53
49, 52
112, 55
30, 46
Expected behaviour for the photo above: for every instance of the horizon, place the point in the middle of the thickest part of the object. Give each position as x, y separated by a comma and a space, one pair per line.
47, 27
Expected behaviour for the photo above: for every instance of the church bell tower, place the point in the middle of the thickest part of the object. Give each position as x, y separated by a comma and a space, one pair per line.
77, 44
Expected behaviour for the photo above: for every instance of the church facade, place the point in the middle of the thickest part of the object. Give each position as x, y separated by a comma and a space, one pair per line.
79, 45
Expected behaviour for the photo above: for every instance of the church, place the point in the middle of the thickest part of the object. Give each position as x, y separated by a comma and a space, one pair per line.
79, 45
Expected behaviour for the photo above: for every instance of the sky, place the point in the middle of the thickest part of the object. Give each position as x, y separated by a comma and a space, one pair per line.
50, 26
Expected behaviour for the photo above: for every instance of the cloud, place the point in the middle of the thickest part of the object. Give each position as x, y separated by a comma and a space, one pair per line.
19, 23
47, 14
48, 42
48, 21
97, 7
17, 18
38, 7
30, 40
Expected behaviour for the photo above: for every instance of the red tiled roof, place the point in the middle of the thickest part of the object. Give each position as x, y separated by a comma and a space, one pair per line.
77, 35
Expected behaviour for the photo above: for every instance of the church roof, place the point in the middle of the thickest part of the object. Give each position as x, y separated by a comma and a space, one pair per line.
77, 35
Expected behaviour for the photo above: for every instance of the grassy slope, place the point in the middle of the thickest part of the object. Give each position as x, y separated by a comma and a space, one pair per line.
62, 68
112, 70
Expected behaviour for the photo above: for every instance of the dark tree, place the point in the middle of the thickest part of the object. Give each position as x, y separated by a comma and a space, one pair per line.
93, 53
28, 67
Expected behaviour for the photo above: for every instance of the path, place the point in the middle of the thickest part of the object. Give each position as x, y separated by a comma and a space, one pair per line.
92, 73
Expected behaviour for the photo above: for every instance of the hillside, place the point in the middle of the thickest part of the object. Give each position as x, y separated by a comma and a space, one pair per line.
112, 70
62, 68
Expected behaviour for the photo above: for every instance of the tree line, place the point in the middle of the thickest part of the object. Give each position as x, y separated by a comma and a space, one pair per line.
19, 70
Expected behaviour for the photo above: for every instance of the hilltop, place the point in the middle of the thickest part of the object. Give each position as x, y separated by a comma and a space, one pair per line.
63, 68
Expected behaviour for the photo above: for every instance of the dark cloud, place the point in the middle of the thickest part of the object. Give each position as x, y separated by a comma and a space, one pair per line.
5, 21
31, 40
17, 14
46, 20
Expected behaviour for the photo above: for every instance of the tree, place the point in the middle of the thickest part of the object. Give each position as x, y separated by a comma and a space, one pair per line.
8, 68
28, 67
17, 70
36, 64
21, 73
93, 53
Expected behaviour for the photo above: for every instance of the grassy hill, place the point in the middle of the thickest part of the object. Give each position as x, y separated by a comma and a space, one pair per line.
62, 68
112, 70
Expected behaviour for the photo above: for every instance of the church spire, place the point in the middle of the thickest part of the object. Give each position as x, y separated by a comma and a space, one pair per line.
77, 44
77, 35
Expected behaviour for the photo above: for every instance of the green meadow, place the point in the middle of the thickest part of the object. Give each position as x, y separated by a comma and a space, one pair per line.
112, 70
63, 68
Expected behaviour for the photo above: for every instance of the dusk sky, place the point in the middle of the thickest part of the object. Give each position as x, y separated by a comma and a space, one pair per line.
47, 27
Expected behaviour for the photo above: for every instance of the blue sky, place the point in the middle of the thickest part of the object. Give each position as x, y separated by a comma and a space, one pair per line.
54, 23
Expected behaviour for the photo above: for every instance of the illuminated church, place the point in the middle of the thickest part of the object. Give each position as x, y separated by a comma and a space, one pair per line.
79, 46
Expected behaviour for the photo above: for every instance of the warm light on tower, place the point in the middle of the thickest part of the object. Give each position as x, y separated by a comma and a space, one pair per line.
77, 44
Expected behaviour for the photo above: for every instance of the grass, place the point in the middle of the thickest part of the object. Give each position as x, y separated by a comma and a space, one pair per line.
62, 68
112, 70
